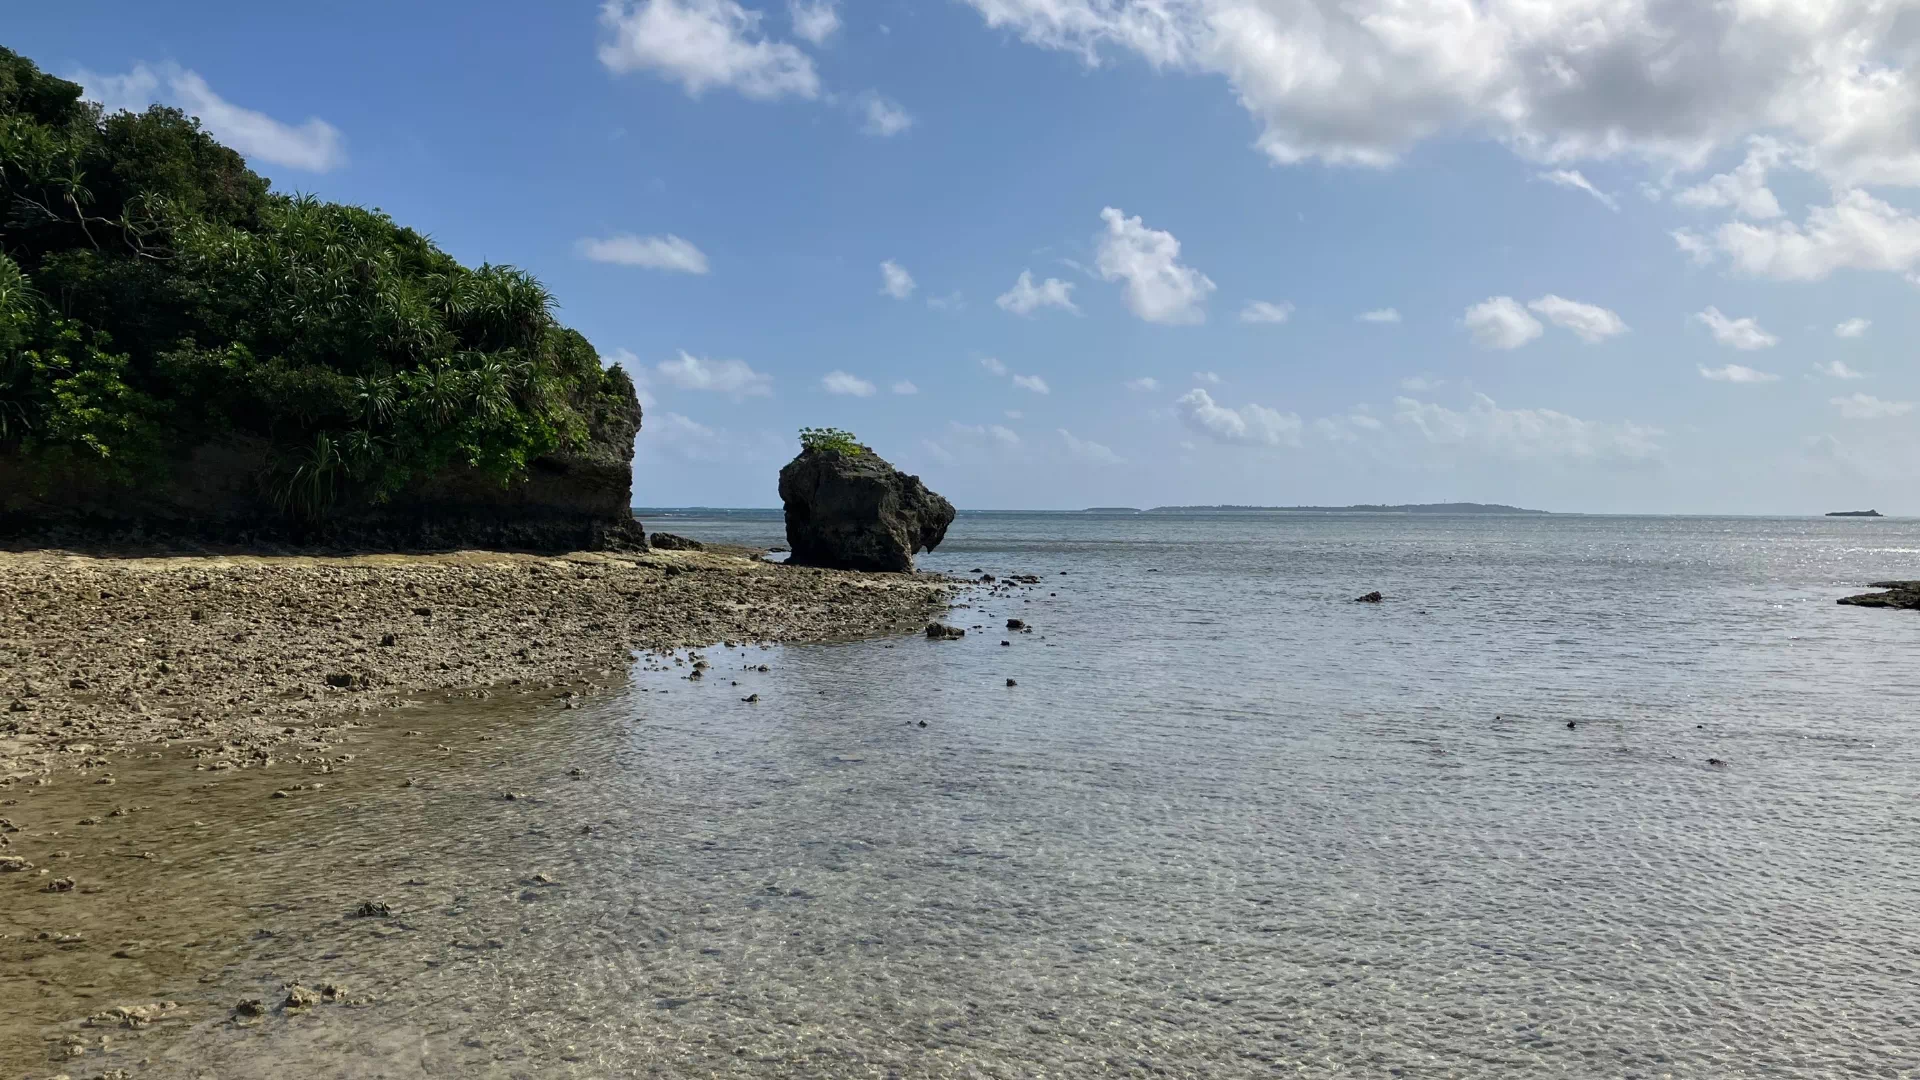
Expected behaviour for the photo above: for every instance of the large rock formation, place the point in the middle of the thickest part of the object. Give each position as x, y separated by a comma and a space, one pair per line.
1899, 594
853, 511
214, 493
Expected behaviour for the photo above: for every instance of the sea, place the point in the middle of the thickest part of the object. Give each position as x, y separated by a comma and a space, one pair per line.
1579, 797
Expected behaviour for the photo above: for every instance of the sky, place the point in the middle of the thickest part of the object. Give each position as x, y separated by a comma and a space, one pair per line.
1640, 256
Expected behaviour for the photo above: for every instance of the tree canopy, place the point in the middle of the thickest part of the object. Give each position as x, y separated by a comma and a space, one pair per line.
155, 294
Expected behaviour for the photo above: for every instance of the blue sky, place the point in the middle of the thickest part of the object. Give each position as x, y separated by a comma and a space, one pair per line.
1619, 255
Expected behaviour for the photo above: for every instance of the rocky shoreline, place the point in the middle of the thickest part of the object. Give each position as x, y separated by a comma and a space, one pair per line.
246, 658
1898, 594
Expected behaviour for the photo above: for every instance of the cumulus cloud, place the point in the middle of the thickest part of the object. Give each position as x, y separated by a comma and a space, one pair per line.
1867, 407
1857, 232
1744, 334
993, 365
732, 377
1380, 315
814, 20
1088, 451
1572, 178
1838, 369
1500, 322
1159, 289
1261, 311
1744, 190
1737, 373
704, 45
1026, 297
313, 146
1589, 322
667, 252
1249, 425
1525, 434
1852, 328
840, 382
1031, 382
1361, 83
1144, 384
905, 387
895, 281
881, 115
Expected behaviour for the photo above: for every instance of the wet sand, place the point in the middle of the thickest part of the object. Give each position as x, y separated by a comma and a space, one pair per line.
251, 658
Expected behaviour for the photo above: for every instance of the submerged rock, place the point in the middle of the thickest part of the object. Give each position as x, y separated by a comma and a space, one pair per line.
943, 632
853, 511
1370, 598
1899, 594
669, 542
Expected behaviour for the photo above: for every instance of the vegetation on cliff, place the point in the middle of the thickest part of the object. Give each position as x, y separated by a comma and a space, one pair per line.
156, 294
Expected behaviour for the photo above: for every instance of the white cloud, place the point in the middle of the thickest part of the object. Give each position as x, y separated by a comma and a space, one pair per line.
840, 382
1698, 249
1572, 178
315, 146
953, 301
703, 45
814, 20
993, 365
1744, 334
1838, 369
1031, 382
1144, 384
1025, 297
1589, 322
1249, 425
904, 387
734, 377
1500, 322
895, 281
1745, 188
1852, 328
1159, 288
1858, 232
882, 115
1260, 311
1208, 377
1087, 451
1668, 81
1866, 407
1380, 315
1525, 434
1736, 373
667, 252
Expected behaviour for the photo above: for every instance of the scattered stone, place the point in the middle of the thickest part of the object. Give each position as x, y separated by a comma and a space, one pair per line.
133, 1016
299, 997
1370, 598
373, 909
515, 796
942, 632
1010, 682
250, 1007
751, 698
59, 884
333, 992
1016, 624
669, 542
76, 684
1715, 761
340, 679
389, 640
14, 864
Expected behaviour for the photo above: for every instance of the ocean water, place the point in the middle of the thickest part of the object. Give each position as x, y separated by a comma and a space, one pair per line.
1228, 823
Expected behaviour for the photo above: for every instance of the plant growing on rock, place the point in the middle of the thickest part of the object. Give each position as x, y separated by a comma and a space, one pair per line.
832, 441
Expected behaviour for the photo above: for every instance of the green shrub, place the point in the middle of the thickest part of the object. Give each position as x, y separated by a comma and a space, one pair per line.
155, 294
831, 440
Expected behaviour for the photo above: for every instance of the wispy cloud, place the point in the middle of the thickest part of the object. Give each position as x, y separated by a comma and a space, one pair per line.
667, 252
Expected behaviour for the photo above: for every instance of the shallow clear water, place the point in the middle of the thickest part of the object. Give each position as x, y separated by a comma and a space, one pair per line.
1228, 823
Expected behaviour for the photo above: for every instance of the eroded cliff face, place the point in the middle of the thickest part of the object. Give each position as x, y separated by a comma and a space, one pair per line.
216, 493
856, 512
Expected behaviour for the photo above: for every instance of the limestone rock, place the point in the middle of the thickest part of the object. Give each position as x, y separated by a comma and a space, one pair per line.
856, 512
1899, 594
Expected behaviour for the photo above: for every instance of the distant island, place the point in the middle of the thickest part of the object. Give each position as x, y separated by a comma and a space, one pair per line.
1359, 508
1111, 510
1855, 513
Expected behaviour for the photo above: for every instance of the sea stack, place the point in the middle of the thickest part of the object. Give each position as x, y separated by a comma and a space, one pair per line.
847, 509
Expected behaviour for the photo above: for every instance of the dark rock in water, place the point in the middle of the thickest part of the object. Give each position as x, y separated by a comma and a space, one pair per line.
373, 909
853, 511
1370, 598
250, 1007
1016, 624
1899, 594
299, 997
943, 632
1010, 682
668, 542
